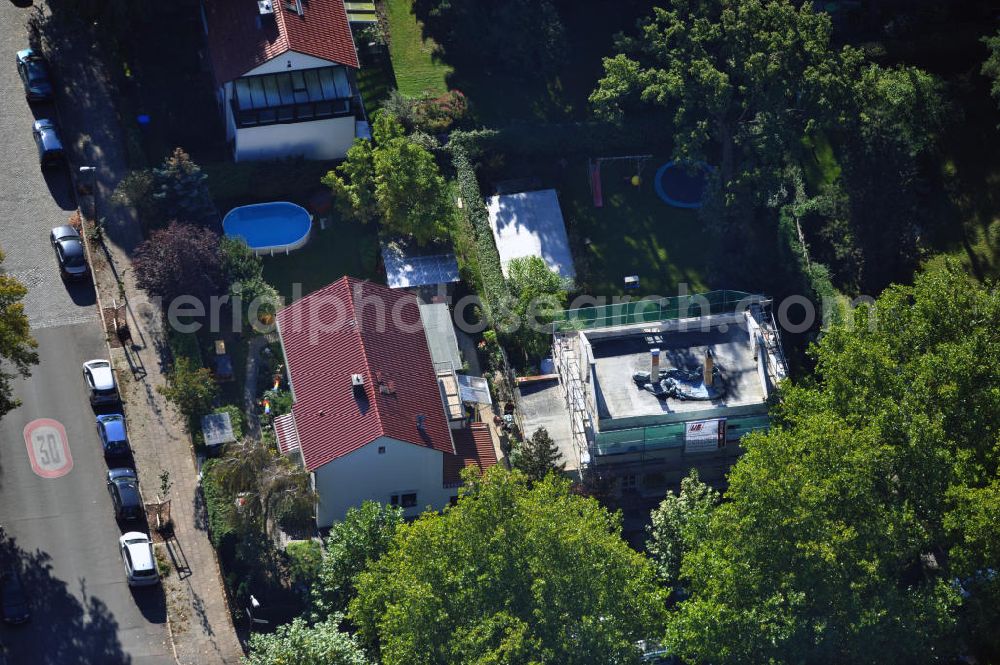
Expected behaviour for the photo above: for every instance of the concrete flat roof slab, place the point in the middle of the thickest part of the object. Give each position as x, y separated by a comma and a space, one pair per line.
531, 224
617, 359
543, 405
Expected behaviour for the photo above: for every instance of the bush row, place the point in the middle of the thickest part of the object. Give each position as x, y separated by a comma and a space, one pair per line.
475, 219
595, 138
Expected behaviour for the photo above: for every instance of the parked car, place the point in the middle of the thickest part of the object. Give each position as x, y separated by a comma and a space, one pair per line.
34, 74
123, 486
50, 147
137, 555
15, 600
100, 378
68, 246
114, 438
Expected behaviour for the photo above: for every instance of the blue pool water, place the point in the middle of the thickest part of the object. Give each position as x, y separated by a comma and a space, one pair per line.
269, 226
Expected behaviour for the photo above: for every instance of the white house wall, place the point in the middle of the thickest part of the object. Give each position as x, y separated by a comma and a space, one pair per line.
226, 93
367, 475
289, 60
329, 138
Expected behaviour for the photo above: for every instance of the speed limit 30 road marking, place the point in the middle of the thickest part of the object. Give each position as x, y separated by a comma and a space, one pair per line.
48, 448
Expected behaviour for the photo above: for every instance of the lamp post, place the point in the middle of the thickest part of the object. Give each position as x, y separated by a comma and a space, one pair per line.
88, 180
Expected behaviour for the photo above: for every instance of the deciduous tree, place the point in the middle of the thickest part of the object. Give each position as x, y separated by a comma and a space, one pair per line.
395, 180
509, 574
859, 528
679, 524
355, 542
17, 346
180, 260
538, 293
744, 79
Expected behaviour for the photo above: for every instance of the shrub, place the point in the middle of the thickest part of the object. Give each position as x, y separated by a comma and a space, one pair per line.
436, 115
239, 263
193, 390
136, 190
304, 560
185, 345
235, 417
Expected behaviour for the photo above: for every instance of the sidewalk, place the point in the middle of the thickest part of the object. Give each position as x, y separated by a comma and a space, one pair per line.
200, 623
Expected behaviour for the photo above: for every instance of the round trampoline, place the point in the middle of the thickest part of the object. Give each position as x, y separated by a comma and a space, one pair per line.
681, 184
269, 227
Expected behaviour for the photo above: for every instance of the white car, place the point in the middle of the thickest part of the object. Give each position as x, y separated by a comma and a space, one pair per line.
137, 555
100, 378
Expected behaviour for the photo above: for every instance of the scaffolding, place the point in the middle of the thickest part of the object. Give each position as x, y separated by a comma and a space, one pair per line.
567, 362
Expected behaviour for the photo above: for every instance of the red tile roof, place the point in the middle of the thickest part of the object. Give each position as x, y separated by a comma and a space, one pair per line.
239, 38
357, 327
473, 447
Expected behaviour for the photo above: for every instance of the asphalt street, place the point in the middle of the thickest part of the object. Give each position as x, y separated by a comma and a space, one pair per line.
61, 530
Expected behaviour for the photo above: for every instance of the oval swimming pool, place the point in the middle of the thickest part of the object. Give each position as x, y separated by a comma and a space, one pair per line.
267, 228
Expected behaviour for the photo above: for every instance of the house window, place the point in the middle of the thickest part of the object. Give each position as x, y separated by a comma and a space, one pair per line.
381, 450
629, 482
407, 500
292, 96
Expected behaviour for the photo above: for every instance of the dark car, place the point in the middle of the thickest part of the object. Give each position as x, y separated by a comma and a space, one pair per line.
15, 600
114, 439
123, 486
68, 246
34, 74
50, 148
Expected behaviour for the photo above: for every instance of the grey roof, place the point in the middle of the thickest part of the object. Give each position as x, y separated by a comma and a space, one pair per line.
218, 429
404, 272
531, 224
440, 335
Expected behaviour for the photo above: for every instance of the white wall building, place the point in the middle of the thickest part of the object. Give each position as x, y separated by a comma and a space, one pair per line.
285, 80
368, 418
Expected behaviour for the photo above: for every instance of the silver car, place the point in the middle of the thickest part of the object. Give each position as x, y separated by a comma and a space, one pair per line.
100, 378
137, 556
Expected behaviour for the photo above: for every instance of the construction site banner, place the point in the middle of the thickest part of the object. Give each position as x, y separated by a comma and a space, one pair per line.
704, 436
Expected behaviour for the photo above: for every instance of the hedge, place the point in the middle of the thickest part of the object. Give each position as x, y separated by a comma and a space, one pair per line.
240, 183
641, 134
220, 513
815, 276
475, 221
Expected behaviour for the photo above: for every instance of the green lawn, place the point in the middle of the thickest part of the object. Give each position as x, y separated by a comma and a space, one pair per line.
344, 248
417, 67
635, 233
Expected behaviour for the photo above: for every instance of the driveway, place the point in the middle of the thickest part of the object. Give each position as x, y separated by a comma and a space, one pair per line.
59, 528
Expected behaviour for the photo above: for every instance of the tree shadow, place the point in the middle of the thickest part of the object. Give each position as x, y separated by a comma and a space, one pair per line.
64, 631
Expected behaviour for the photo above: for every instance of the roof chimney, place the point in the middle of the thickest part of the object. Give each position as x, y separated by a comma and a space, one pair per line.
709, 367
654, 366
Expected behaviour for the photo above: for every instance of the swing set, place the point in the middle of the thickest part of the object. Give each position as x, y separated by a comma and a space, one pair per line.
594, 173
